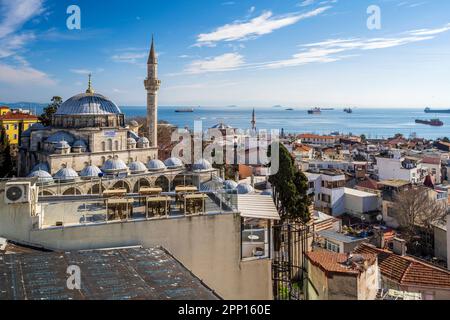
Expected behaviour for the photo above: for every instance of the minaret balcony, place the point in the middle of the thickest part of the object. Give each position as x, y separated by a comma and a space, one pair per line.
152, 84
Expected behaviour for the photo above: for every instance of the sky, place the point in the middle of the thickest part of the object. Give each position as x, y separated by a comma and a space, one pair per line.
297, 53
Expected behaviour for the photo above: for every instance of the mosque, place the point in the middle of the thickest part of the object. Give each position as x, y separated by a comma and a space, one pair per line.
89, 139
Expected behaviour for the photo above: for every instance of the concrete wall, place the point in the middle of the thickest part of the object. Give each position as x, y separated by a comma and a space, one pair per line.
440, 243
209, 246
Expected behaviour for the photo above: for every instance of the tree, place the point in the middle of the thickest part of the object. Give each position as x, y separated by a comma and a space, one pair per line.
6, 161
445, 139
290, 188
363, 138
50, 110
416, 211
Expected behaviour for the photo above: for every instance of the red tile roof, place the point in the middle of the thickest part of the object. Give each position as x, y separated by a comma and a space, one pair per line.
369, 184
431, 160
332, 262
406, 270
315, 136
18, 116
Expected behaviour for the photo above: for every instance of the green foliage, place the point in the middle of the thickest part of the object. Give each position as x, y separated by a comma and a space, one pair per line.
290, 188
50, 110
6, 161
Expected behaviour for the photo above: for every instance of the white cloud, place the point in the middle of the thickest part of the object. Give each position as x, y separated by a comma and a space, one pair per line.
81, 71
24, 76
333, 50
14, 68
225, 62
16, 13
264, 24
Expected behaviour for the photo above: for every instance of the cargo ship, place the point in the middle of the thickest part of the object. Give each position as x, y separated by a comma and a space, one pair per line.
315, 111
185, 110
432, 122
429, 110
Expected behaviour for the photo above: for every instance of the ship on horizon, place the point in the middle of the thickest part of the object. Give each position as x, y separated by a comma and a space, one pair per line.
315, 111
429, 110
432, 122
184, 110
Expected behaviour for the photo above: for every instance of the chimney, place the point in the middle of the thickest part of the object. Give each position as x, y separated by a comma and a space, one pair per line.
378, 238
399, 246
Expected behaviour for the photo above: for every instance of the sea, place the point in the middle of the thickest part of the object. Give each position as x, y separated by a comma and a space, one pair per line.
374, 123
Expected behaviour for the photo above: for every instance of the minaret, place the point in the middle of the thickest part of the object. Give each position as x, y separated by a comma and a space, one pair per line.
152, 85
253, 121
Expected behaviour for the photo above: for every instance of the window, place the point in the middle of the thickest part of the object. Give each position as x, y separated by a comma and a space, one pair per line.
255, 238
391, 212
311, 185
15, 127
15, 136
331, 246
325, 198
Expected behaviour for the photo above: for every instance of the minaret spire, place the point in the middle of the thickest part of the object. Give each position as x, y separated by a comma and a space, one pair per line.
152, 84
152, 56
253, 120
90, 90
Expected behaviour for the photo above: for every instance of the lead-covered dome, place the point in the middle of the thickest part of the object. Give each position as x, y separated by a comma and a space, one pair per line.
88, 104
156, 165
43, 176
66, 174
90, 172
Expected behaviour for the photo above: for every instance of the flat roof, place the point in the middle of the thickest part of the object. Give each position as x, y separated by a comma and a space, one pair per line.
358, 193
333, 235
257, 206
112, 274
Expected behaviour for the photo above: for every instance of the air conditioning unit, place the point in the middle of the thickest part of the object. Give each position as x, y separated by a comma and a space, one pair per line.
19, 192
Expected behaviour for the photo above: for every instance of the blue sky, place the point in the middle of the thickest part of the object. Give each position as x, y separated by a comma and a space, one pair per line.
299, 53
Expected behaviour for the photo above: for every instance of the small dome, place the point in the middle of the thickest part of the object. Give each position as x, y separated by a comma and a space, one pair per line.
156, 165
112, 165
61, 136
267, 192
131, 141
221, 126
80, 144
66, 174
43, 176
41, 166
90, 172
133, 124
211, 186
62, 145
202, 165
142, 142
173, 163
137, 167
244, 188
230, 185
33, 127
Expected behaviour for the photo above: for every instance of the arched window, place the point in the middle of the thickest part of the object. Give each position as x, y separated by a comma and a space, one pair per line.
110, 144
117, 145
104, 145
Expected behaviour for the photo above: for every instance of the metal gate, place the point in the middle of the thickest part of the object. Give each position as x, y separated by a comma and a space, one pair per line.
289, 262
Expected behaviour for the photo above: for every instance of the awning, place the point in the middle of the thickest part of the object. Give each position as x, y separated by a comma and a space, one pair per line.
257, 206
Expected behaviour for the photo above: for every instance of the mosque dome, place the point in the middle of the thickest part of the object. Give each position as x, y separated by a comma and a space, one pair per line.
62, 145
230, 185
41, 166
156, 165
221, 126
202, 165
34, 127
80, 144
133, 123
43, 176
112, 165
143, 142
66, 174
88, 104
244, 188
90, 172
137, 167
61, 136
173, 163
